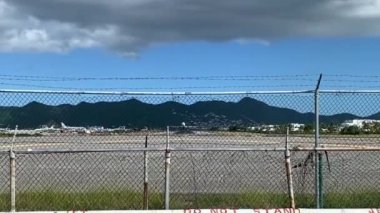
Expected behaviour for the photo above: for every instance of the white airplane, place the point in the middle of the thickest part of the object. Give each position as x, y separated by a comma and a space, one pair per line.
24, 132
32, 131
74, 128
46, 129
4, 130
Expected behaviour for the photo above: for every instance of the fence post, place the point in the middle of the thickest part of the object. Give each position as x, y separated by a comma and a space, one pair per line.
320, 180
289, 171
167, 171
12, 166
145, 202
318, 196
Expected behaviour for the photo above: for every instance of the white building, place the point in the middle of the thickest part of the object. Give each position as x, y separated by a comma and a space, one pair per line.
269, 128
264, 128
295, 127
358, 122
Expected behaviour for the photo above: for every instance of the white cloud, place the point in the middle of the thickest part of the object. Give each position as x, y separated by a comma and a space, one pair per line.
357, 9
127, 26
27, 33
244, 41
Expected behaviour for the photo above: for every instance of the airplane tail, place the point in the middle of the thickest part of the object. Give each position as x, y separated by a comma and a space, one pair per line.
63, 125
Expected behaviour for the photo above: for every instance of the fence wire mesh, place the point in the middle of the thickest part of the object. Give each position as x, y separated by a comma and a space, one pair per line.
351, 179
4, 182
221, 179
118, 121
74, 150
84, 181
199, 179
303, 178
350, 119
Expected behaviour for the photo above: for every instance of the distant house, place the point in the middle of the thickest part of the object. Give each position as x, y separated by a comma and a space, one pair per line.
264, 128
269, 128
358, 122
255, 128
295, 127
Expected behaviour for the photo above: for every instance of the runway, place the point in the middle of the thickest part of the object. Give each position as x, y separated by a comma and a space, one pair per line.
200, 140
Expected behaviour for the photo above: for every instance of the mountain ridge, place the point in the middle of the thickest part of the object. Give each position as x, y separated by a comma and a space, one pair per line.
137, 114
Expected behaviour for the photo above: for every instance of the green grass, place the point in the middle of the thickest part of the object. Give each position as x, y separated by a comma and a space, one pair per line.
127, 199
363, 199
4, 202
242, 200
92, 200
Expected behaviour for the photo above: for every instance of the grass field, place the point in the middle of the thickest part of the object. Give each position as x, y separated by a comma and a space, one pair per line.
126, 199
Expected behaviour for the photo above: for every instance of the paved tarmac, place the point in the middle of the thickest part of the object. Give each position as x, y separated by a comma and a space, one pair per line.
71, 141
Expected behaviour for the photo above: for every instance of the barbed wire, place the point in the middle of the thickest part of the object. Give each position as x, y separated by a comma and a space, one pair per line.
351, 81
213, 78
351, 86
338, 80
352, 76
151, 88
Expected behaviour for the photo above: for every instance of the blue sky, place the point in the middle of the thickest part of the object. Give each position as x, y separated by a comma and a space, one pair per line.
330, 56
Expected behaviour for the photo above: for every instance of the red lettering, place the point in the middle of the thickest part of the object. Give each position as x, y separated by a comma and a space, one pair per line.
187, 211
223, 210
371, 211
213, 210
235, 210
277, 211
256, 210
197, 211
288, 210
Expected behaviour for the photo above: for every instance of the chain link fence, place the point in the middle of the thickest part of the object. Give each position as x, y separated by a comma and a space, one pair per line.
361, 124
123, 120
4, 182
221, 179
82, 181
106, 150
198, 179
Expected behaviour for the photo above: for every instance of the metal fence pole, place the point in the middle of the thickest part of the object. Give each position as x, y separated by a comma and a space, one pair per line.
320, 179
145, 202
316, 159
289, 171
12, 165
167, 171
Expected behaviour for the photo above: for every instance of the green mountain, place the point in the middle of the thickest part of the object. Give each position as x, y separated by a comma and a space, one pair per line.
136, 114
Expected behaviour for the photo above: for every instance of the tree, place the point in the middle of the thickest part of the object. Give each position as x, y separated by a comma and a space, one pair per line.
366, 128
308, 128
351, 130
233, 128
376, 128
